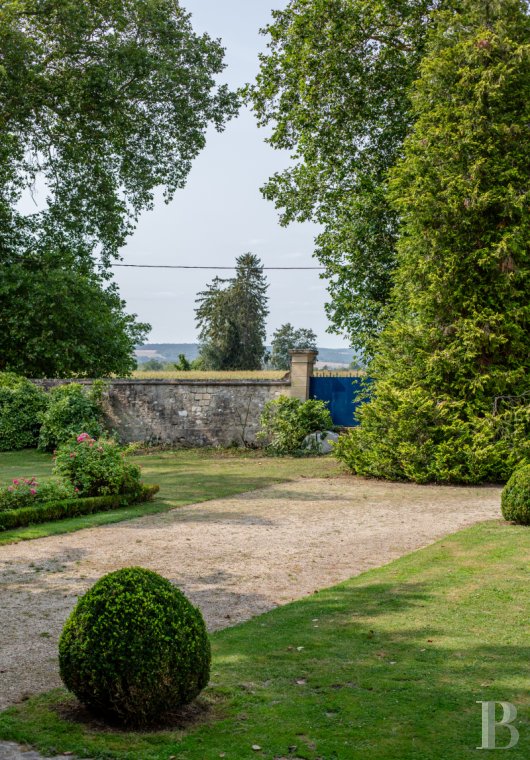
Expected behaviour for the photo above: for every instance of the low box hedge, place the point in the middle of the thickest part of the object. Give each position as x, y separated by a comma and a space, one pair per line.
59, 510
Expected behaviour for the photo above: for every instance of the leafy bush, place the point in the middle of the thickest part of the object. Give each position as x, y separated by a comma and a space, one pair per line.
96, 467
286, 422
408, 435
21, 404
28, 492
516, 497
71, 410
134, 648
60, 510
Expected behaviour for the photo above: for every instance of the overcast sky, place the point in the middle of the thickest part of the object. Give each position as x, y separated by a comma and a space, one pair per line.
221, 213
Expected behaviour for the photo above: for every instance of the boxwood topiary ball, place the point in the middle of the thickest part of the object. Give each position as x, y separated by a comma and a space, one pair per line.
516, 497
134, 648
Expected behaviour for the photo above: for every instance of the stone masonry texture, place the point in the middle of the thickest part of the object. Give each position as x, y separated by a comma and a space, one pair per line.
187, 413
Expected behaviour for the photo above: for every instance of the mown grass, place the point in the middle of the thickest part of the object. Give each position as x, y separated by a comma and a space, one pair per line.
184, 477
388, 666
209, 375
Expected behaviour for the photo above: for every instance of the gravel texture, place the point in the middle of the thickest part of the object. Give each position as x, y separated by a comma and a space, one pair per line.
235, 557
10, 751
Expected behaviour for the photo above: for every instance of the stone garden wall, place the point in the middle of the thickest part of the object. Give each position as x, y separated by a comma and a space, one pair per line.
188, 413
192, 413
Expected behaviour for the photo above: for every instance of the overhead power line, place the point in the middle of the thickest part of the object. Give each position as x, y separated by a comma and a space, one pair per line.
183, 266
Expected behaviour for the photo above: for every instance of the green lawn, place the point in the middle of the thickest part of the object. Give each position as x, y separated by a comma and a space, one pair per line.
185, 477
388, 666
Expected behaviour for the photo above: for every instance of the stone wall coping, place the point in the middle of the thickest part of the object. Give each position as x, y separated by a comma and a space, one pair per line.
165, 382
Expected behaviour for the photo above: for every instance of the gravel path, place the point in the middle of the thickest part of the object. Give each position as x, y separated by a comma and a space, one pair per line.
235, 557
11, 751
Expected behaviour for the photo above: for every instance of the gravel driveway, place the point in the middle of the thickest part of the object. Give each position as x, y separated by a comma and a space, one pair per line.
235, 557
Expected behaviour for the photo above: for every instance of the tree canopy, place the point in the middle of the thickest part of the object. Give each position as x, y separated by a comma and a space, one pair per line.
61, 319
333, 86
288, 337
231, 318
451, 399
101, 101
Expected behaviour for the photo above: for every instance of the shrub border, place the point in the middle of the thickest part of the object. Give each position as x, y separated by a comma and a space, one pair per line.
59, 510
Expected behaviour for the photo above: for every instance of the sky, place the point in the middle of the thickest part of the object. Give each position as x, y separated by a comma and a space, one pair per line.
221, 213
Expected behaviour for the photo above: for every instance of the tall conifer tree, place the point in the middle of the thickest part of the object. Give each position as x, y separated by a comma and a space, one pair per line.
231, 316
451, 399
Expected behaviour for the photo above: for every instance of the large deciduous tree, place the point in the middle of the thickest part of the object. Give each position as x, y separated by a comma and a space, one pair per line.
61, 319
101, 101
333, 86
286, 338
231, 317
451, 400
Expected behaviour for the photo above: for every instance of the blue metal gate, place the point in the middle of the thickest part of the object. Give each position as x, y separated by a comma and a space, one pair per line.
341, 394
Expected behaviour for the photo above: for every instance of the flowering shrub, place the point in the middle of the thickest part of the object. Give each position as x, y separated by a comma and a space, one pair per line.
97, 467
28, 492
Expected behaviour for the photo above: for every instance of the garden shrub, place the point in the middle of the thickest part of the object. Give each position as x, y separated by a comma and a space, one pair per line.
28, 492
516, 497
60, 510
408, 435
71, 410
21, 404
134, 649
96, 467
286, 422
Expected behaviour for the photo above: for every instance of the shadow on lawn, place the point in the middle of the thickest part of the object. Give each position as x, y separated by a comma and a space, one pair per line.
392, 673
386, 670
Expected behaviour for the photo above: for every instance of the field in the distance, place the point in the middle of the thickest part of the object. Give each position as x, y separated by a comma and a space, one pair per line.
236, 375
208, 375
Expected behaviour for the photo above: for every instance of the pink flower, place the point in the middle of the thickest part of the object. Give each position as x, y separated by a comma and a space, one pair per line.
16, 482
83, 437
32, 491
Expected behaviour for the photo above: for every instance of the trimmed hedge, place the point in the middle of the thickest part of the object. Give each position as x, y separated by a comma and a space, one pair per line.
516, 497
134, 649
60, 510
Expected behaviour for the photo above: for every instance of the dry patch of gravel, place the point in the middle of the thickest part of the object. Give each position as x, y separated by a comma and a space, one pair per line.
234, 557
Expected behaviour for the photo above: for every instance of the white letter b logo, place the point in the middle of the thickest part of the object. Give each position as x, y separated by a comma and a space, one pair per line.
489, 724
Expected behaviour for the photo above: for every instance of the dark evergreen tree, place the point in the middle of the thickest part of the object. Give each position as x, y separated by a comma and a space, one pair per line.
231, 318
451, 400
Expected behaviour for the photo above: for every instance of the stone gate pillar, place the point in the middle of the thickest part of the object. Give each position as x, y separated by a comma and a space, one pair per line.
302, 364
